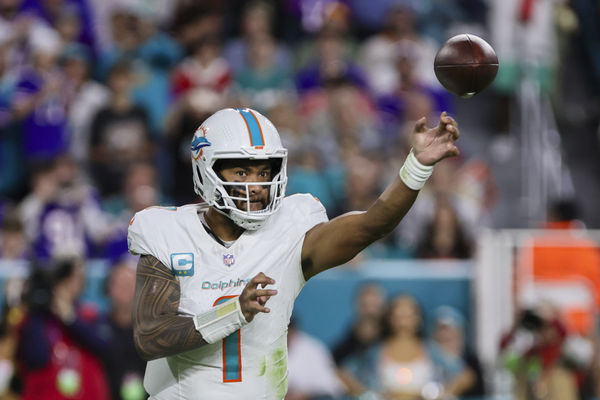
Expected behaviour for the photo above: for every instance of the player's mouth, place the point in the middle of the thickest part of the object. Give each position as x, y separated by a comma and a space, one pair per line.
255, 205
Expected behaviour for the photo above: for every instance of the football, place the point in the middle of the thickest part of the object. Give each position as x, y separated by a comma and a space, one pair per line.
465, 65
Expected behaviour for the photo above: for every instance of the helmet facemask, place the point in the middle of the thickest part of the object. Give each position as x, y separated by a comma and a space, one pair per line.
225, 195
242, 134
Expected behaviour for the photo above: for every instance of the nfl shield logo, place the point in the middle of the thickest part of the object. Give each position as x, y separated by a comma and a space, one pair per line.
228, 260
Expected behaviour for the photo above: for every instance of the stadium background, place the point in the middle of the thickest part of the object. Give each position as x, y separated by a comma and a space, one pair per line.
98, 100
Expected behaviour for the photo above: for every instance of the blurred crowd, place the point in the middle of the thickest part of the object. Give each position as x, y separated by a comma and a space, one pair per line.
98, 102
392, 350
99, 99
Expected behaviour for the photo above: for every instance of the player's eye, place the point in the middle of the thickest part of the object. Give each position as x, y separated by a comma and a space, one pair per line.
265, 174
240, 172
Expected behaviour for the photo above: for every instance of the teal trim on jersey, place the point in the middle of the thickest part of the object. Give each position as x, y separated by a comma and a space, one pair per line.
256, 138
182, 264
232, 357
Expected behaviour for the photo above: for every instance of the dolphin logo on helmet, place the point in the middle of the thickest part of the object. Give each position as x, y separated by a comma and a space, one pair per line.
238, 134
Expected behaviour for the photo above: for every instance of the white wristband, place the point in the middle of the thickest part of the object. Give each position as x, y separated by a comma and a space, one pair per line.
221, 321
413, 173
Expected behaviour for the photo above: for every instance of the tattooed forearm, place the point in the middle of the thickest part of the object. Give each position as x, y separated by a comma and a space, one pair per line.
157, 329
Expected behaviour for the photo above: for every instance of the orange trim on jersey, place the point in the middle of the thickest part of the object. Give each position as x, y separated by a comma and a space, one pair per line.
239, 345
259, 128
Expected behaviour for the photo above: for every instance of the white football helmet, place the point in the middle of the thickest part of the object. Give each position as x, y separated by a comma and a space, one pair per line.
231, 134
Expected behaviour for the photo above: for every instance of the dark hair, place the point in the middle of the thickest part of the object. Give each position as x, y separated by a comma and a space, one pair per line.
565, 210
387, 329
43, 279
121, 67
12, 223
360, 290
207, 40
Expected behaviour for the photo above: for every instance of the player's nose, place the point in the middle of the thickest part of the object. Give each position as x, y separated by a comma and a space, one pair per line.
253, 189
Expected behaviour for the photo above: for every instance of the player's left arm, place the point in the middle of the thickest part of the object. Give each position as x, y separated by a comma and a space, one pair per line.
336, 242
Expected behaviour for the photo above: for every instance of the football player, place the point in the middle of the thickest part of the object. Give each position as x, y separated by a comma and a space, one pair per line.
216, 282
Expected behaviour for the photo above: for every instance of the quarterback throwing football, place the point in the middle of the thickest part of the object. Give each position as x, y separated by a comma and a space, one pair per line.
216, 282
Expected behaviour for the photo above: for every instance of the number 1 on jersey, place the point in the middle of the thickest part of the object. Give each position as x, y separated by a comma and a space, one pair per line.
232, 355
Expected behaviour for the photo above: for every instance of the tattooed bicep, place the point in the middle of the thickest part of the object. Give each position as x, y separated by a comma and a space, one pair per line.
157, 290
158, 330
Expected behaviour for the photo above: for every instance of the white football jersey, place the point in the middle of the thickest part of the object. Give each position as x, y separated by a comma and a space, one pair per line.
252, 362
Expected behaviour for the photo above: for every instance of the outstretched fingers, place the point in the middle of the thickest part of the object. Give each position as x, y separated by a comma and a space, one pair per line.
253, 300
452, 150
448, 126
421, 125
260, 279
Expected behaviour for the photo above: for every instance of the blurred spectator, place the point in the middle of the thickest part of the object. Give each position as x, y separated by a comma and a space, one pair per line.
13, 248
102, 10
62, 214
312, 371
155, 59
413, 97
532, 351
10, 133
68, 26
261, 80
363, 182
13, 312
86, 97
341, 120
193, 21
291, 127
13, 243
400, 366
307, 171
59, 13
470, 189
40, 102
151, 54
204, 68
370, 17
186, 116
367, 327
124, 368
329, 63
308, 175
461, 372
378, 54
330, 18
444, 236
120, 134
256, 25
60, 343
141, 191
124, 31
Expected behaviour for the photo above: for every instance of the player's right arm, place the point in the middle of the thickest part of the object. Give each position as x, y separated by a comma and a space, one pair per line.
158, 329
